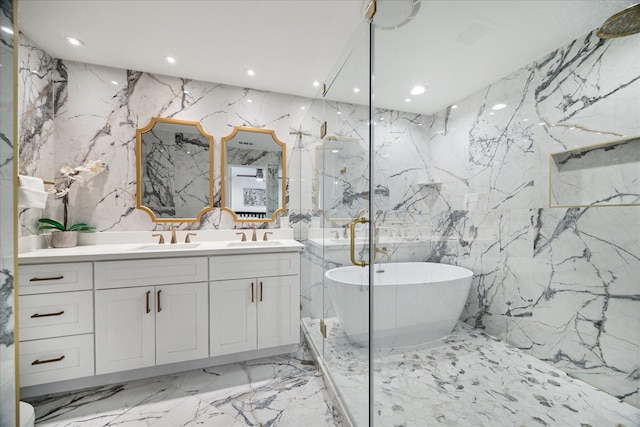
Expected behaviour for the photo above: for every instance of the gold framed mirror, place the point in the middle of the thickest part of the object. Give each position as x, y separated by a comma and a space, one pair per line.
174, 170
254, 174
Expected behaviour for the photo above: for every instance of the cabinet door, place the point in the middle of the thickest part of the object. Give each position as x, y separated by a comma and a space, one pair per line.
182, 322
233, 316
278, 311
125, 329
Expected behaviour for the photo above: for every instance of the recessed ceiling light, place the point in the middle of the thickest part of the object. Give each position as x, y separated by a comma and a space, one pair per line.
74, 41
251, 72
7, 29
316, 83
418, 90
407, 100
356, 89
170, 59
249, 100
303, 108
454, 106
498, 107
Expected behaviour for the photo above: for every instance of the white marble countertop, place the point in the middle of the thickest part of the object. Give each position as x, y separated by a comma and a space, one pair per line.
122, 251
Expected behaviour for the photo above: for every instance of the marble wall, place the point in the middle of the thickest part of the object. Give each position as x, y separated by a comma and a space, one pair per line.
8, 380
73, 112
560, 283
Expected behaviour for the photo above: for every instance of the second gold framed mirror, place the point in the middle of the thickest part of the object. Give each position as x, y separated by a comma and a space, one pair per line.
254, 174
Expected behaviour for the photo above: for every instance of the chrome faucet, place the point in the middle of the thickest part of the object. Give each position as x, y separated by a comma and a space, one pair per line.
173, 234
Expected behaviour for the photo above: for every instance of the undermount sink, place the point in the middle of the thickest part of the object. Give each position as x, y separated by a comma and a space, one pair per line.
259, 243
167, 247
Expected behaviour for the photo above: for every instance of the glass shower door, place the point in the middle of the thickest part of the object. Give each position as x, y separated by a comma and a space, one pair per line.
343, 196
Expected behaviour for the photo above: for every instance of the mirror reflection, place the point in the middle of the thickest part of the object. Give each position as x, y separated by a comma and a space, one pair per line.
342, 183
253, 185
175, 170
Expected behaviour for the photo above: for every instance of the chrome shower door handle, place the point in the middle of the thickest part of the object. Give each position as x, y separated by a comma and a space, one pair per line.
352, 252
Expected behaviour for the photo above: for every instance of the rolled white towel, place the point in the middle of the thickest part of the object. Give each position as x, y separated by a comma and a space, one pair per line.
31, 192
31, 182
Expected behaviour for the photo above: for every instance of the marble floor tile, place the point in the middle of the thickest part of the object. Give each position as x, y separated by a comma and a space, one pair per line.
466, 379
277, 391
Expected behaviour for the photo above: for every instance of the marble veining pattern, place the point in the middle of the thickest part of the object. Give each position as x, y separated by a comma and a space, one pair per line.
277, 391
8, 79
466, 379
176, 172
103, 126
557, 283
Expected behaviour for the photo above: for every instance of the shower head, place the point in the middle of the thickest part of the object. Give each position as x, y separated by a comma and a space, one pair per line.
623, 23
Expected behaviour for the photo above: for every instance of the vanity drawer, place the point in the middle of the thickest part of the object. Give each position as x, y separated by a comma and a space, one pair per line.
254, 265
55, 315
46, 278
144, 272
56, 359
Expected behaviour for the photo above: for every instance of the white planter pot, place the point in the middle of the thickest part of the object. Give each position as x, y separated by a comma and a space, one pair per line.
64, 239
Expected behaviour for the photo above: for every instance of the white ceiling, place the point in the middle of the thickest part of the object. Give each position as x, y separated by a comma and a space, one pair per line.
453, 47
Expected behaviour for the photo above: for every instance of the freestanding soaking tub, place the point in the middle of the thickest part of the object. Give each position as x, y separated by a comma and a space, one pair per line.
414, 302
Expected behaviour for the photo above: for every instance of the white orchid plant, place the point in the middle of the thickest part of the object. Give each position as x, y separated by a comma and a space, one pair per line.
61, 189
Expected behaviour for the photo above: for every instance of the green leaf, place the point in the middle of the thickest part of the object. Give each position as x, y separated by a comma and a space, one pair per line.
51, 224
81, 227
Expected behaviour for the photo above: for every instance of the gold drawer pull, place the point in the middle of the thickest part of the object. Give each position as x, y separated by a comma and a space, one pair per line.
41, 279
60, 313
40, 362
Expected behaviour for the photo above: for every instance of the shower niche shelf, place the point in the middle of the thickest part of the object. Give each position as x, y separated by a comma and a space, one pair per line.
429, 184
606, 174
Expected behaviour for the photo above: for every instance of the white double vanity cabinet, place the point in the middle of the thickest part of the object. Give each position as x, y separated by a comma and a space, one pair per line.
99, 315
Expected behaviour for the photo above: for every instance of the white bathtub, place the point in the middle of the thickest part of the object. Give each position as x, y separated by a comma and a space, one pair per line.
414, 302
